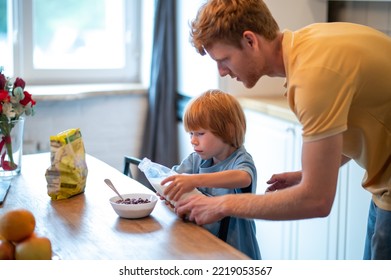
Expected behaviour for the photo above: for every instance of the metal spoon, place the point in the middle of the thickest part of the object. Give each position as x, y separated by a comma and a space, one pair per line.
110, 184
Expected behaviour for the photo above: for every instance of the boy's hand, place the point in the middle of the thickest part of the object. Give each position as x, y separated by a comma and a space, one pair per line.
178, 185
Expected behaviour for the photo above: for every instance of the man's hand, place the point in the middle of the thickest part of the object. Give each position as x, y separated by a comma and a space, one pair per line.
201, 209
283, 180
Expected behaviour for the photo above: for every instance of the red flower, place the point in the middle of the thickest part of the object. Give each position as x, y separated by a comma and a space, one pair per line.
3, 81
27, 99
19, 83
4, 96
10, 94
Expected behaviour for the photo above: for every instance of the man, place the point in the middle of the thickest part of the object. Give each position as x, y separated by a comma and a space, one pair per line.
338, 80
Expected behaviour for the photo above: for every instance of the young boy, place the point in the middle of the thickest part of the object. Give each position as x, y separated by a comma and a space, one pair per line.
219, 164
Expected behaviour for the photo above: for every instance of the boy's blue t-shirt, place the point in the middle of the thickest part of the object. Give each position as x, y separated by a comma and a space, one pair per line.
241, 232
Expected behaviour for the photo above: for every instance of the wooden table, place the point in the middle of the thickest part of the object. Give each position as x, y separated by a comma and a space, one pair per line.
86, 227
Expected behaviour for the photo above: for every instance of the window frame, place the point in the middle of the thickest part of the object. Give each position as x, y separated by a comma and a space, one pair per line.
23, 51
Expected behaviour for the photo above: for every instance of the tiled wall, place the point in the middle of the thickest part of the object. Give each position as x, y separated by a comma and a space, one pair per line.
376, 14
111, 125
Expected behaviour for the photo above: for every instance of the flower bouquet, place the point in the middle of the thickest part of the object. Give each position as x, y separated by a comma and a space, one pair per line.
14, 102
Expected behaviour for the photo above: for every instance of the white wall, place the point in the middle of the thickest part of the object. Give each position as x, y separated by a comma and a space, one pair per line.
289, 15
198, 73
146, 37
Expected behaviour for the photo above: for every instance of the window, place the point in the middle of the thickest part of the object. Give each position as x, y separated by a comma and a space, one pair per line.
72, 41
5, 46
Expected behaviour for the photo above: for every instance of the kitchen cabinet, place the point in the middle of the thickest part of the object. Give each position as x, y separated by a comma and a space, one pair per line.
342, 234
354, 213
272, 143
275, 145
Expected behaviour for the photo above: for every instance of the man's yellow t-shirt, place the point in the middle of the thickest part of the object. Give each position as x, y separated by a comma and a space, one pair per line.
339, 81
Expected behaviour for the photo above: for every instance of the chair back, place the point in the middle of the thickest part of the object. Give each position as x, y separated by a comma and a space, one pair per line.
128, 161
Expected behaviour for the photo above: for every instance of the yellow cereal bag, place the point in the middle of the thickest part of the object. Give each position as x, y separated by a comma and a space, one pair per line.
67, 174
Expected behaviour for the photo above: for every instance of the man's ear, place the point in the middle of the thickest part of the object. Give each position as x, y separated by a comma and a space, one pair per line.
249, 38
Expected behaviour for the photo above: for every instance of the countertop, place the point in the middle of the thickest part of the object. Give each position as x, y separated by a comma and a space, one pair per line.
85, 227
276, 106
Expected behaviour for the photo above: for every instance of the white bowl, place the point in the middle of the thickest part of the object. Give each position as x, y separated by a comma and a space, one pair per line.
134, 211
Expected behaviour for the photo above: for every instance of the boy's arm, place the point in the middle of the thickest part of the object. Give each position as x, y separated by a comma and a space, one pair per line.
183, 183
228, 179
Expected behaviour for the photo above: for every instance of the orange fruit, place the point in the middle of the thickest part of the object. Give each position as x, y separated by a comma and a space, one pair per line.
16, 225
34, 248
7, 250
2, 238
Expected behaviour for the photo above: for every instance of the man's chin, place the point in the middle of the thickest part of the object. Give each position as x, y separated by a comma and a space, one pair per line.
248, 85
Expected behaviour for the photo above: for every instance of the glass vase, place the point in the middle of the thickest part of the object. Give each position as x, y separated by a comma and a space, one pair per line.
11, 148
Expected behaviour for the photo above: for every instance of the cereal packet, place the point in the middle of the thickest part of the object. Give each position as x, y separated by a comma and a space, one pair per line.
67, 174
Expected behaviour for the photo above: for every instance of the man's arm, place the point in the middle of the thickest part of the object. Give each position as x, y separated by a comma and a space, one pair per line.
312, 197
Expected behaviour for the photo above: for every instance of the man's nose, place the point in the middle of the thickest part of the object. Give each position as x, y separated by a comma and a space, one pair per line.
223, 71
